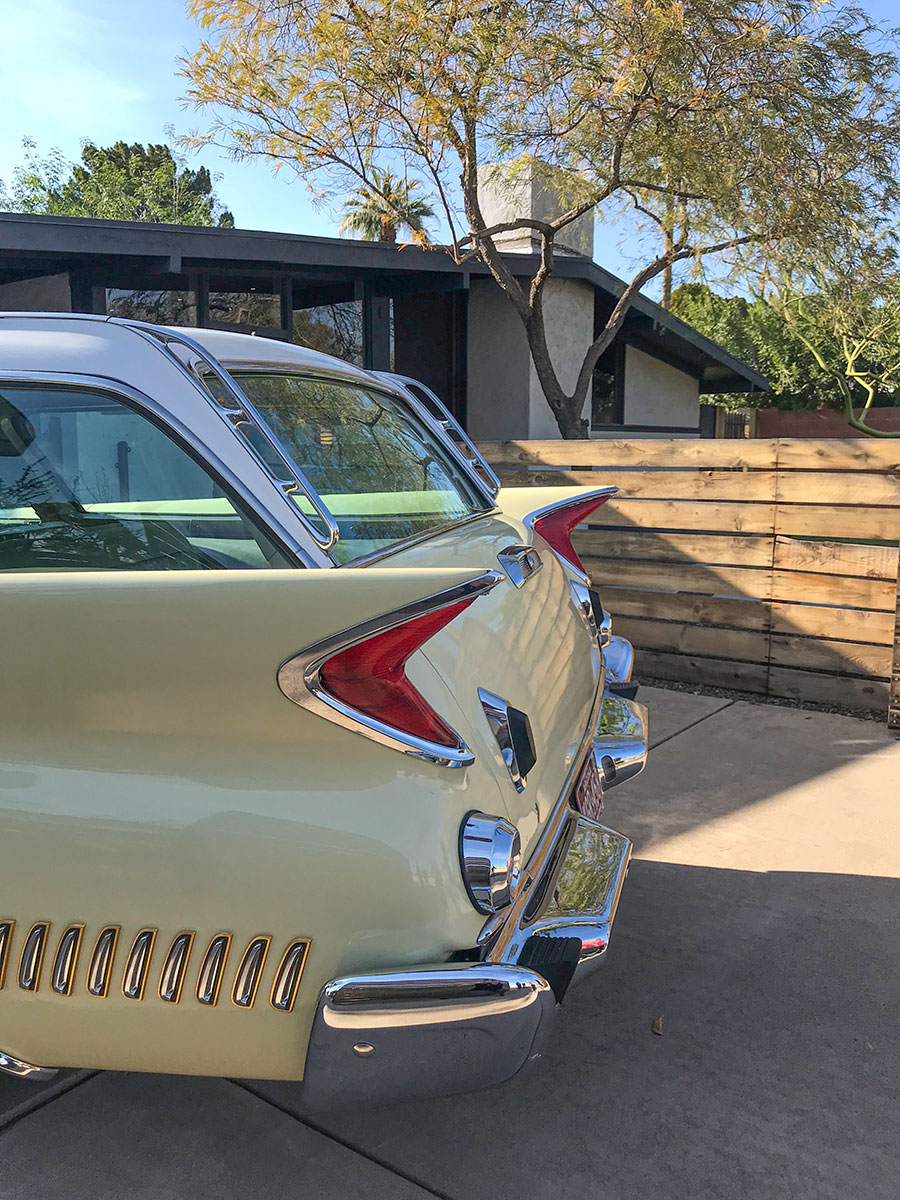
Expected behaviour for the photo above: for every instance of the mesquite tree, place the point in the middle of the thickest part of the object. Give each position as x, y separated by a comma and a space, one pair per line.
723, 126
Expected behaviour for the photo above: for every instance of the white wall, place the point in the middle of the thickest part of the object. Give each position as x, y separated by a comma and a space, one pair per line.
658, 394
47, 293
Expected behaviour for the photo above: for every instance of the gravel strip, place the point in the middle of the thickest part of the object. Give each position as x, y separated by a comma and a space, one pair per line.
699, 689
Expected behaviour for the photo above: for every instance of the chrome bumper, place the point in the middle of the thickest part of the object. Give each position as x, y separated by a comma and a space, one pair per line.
447, 1028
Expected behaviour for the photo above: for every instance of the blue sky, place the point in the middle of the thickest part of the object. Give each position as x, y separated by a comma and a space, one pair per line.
105, 70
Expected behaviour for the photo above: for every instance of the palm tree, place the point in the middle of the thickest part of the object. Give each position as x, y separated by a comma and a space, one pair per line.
376, 211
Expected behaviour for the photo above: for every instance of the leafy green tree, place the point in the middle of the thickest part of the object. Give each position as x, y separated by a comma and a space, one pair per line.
828, 337
121, 182
755, 331
377, 210
725, 127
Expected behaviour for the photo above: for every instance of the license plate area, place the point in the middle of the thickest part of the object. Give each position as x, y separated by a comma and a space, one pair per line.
588, 793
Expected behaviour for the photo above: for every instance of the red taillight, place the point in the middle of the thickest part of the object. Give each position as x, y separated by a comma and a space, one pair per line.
370, 677
556, 526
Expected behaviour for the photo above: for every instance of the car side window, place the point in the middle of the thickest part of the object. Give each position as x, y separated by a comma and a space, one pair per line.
88, 483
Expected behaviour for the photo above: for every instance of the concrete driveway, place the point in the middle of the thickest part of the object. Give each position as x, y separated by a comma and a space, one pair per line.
761, 922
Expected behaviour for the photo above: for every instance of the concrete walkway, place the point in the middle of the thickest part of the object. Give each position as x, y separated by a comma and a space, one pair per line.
761, 922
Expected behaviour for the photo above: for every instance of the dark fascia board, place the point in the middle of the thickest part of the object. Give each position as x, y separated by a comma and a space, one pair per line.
201, 247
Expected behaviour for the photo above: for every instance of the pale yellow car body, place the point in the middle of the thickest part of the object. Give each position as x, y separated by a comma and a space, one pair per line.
154, 777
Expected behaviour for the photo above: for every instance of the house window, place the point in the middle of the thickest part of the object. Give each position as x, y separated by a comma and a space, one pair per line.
607, 388
335, 329
253, 309
175, 306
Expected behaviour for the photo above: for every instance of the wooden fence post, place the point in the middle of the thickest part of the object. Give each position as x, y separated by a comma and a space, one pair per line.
894, 701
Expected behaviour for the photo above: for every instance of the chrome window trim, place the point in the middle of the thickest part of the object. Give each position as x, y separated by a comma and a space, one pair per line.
300, 680
401, 384
377, 386
244, 411
268, 521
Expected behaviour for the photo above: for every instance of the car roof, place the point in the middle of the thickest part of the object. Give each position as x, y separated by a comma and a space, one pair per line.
248, 350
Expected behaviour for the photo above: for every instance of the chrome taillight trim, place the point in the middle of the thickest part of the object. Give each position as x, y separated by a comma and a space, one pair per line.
299, 677
531, 518
581, 598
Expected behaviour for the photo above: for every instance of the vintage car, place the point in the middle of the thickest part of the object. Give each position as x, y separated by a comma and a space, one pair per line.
305, 723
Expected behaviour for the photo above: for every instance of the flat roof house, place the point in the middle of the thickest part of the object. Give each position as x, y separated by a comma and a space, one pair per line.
386, 307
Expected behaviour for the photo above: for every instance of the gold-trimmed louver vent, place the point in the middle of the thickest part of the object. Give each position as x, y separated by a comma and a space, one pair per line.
171, 980
137, 965
33, 956
63, 974
210, 978
136, 971
250, 972
287, 978
7, 928
102, 961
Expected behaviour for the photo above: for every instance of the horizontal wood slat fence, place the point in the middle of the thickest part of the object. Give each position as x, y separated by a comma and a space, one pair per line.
764, 565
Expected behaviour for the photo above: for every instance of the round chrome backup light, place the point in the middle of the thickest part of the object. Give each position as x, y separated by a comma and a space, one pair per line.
490, 854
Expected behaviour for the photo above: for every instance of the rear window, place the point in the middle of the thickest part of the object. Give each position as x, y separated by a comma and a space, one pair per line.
382, 473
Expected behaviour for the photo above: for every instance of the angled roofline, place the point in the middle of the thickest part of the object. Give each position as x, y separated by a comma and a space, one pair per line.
53, 237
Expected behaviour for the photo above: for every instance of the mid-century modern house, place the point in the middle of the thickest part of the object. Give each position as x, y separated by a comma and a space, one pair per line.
387, 307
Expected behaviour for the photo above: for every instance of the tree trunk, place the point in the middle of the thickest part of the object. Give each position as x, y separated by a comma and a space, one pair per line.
388, 232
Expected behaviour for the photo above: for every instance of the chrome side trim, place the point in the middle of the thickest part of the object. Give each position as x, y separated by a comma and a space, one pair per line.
209, 981
240, 413
289, 974
7, 929
33, 956
63, 974
171, 979
24, 1070
520, 563
102, 959
428, 1031
249, 973
137, 964
300, 680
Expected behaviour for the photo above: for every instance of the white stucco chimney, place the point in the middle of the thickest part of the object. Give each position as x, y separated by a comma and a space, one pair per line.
508, 192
